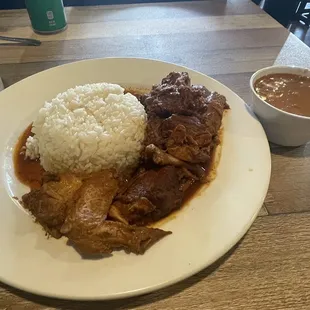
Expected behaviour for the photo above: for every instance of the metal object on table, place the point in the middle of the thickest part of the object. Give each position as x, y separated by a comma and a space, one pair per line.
47, 16
20, 41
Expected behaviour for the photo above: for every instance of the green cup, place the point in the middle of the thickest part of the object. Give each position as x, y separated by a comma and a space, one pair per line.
47, 16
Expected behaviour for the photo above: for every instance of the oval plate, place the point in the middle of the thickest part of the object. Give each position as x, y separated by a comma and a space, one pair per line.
203, 231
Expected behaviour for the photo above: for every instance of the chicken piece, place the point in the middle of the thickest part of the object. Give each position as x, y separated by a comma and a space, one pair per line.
49, 203
112, 235
154, 134
213, 116
188, 138
77, 207
142, 206
203, 91
161, 158
91, 205
177, 78
183, 119
116, 215
86, 225
151, 195
175, 95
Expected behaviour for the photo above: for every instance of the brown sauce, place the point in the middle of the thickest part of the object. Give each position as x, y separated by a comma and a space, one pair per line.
210, 169
28, 172
197, 188
288, 92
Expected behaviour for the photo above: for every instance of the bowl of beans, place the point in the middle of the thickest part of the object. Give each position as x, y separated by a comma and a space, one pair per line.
281, 101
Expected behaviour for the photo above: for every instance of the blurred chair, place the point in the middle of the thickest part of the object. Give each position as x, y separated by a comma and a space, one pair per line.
303, 12
282, 10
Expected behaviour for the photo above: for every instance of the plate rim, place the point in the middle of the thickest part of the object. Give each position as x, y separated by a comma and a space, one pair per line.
156, 287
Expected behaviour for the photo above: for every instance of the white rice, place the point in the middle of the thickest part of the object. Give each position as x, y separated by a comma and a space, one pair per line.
88, 128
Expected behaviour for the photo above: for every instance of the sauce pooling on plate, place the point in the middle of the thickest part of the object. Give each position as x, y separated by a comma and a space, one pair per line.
288, 92
28, 172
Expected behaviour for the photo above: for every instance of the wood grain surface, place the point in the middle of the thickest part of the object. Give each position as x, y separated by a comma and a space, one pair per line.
229, 40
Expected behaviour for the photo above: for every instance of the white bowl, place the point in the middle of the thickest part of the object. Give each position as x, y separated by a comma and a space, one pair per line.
281, 127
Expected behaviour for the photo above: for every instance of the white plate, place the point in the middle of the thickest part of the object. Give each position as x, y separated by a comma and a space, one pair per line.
202, 232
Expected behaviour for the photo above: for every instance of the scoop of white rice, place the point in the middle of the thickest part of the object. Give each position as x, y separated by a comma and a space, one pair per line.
88, 128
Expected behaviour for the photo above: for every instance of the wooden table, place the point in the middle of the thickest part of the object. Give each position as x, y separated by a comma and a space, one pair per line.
229, 40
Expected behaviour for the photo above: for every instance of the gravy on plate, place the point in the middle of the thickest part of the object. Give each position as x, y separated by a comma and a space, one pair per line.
28, 172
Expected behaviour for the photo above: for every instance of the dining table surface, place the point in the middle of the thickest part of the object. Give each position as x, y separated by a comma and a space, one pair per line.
227, 40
